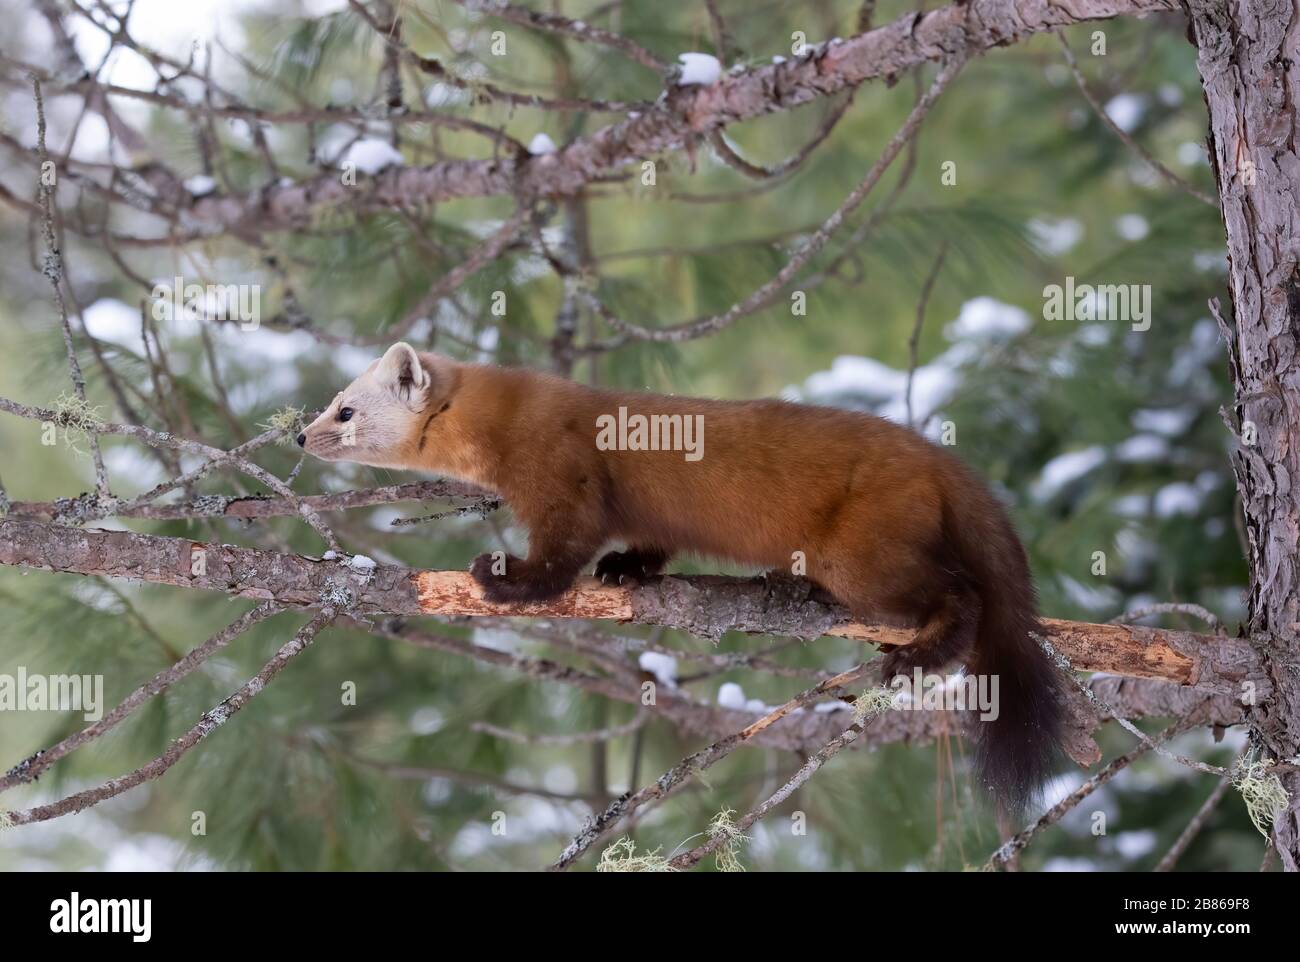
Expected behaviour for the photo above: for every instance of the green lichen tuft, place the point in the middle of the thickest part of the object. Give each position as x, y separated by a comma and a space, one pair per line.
727, 857
872, 702
80, 420
1263, 793
622, 857
288, 421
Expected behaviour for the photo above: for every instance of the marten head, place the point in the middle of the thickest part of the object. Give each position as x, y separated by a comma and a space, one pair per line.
378, 418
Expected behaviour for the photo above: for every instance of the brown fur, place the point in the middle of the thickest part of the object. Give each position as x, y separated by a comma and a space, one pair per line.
891, 525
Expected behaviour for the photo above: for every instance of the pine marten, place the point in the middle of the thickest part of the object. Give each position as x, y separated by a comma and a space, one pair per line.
891, 525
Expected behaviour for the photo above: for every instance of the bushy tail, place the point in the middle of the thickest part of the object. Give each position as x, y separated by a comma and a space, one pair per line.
1014, 752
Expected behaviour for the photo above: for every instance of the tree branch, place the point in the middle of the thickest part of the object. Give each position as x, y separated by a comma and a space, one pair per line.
210, 720
707, 606
1194, 827
1012, 846
806, 732
250, 506
679, 117
30, 768
690, 767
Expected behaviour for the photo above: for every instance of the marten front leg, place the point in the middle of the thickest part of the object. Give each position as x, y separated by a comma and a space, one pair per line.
549, 570
635, 564
562, 538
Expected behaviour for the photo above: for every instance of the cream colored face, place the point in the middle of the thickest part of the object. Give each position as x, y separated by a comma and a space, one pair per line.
371, 420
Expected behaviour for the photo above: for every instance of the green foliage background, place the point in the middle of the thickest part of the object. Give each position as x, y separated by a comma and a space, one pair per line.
297, 780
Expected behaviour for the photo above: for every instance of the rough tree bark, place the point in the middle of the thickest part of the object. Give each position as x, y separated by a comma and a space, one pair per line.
1245, 56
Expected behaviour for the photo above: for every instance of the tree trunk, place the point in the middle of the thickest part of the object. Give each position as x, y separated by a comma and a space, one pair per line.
1245, 51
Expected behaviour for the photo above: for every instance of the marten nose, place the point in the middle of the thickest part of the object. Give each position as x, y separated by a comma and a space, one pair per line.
302, 439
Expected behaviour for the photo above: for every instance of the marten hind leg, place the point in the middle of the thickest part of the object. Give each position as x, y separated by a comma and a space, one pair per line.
638, 563
947, 631
912, 588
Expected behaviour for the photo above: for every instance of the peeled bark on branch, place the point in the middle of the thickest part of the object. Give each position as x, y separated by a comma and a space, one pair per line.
706, 606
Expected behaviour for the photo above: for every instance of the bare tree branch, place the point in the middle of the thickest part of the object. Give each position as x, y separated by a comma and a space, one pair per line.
251, 506
52, 268
682, 116
809, 246
30, 769
1123, 135
1017, 842
205, 726
1193, 829
809, 768
564, 26
165, 439
806, 732
689, 767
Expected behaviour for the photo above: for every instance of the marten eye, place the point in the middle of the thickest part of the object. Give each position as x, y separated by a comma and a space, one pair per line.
345, 414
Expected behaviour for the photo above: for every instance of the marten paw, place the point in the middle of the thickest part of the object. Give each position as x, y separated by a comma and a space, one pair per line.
900, 660
621, 567
506, 579
493, 573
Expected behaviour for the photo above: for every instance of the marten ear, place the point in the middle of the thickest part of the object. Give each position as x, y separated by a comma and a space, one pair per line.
401, 372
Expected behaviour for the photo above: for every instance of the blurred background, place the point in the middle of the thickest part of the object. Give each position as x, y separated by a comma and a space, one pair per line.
1101, 438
